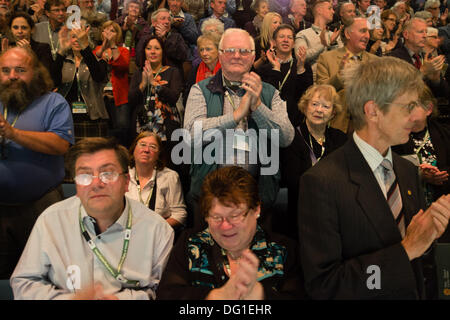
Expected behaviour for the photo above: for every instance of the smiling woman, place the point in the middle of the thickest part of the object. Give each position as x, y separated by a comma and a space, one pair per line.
234, 258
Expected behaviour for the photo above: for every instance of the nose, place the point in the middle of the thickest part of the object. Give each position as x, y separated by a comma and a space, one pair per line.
226, 225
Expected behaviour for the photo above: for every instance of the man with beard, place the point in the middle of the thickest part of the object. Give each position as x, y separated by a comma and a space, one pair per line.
93, 18
36, 130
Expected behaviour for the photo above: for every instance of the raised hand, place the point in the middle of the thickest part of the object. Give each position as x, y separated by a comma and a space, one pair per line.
252, 84
272, 57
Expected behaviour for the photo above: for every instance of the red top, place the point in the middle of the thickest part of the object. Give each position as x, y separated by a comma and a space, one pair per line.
119, 75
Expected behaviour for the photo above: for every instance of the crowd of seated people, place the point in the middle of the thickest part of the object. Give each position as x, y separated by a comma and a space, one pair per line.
251, 87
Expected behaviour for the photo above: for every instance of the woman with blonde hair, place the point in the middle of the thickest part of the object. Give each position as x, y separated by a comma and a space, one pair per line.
314, 139
263, 42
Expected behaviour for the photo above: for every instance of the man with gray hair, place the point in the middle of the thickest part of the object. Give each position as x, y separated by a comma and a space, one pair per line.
439, 19
234, 99
175, 48
365, 201
414, 33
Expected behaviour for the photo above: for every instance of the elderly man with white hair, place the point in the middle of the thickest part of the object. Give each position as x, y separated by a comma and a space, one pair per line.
234, 99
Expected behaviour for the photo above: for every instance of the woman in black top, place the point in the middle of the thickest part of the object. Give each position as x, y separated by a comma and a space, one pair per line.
313, 141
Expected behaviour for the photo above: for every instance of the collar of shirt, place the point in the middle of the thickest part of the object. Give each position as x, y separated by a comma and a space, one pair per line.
372, 156
351, 54
411, 54
316, 29
285, 61
120, 224
132, 173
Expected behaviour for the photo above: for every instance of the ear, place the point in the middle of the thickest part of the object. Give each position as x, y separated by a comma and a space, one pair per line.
371, 110
258, 211
346, 34
127, 183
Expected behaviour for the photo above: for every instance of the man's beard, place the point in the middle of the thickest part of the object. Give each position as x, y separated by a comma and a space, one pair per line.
17, 95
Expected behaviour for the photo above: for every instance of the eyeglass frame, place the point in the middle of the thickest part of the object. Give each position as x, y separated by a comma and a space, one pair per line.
99, 176
242, 52
153, 147
410, 106
241, 217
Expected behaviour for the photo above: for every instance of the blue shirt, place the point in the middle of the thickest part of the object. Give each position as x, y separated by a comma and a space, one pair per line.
27, 175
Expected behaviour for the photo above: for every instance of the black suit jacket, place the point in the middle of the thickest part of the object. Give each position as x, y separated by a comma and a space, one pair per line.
346, 225
439, 89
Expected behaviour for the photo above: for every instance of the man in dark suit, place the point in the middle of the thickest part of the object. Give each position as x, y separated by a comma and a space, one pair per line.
415, 34
362, 230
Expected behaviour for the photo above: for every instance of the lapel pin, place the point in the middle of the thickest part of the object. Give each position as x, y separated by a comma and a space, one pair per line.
409, 192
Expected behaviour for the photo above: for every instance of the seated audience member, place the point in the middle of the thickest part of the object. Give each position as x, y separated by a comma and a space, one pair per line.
346, 11
425, 15
237, 99
230, 7
47, 31
93, 18
434, 6
81, 78
375, 45
132, 23
253, 27
361, 8
22, 28
183, 22
36, 131
218, 11
429, 149
175, 49
400, 8
153, 184
392, 30
432, 42
414, 33
243, 13
118, 59
263, 42
208, 48
233, 258
212, 25
85, 240
318, 39
355, 35
314, 139
287, 71
296, 17
154, 91
365, 201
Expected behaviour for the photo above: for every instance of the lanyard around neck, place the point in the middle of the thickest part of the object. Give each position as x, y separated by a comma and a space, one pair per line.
280, 85
5, 115
139, 189
54, 50
115, 273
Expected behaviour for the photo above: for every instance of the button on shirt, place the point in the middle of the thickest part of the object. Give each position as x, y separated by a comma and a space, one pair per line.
56, 247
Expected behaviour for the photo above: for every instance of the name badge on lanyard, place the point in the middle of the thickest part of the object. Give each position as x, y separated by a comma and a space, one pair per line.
79, 107
241, 142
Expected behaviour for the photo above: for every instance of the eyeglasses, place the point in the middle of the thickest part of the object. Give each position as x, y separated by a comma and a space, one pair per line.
410, 106
152, 147
316, 104
231, 51
434, 8
234, 219
85, 179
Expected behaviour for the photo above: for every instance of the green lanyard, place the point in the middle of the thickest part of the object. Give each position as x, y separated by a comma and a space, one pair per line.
115, 273
53, 49
5, 115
